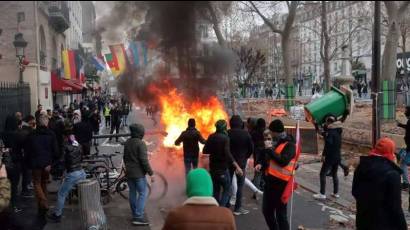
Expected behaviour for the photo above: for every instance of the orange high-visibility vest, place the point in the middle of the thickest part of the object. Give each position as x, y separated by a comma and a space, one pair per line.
283, 173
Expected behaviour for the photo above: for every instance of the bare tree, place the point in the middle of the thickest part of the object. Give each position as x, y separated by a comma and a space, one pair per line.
285, 34
249, 63
395, 12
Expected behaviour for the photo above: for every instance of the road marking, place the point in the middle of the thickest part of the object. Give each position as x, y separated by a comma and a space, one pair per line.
335, 214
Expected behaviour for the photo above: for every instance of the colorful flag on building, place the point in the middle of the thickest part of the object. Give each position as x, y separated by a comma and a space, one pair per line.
98, 63
133, 47
144, 52
82, 74
78, 64
120, 57
70, 71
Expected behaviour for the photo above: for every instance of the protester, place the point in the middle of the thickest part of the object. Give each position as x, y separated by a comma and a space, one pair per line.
137, 167
241, 147
220, 161
83, 133
5, 193
37, 113
95, 121
43, 145
376, 188
56, 125
107, 116
331, 157
27, 128
125, 112
277, 161
190, 138
403, 164
200, 210
258, 141
115, 114
71, 155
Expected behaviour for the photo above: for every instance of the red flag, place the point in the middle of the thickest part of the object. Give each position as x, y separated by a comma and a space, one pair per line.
292, 185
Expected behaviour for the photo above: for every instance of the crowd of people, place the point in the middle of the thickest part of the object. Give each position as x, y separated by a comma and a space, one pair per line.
50, 143
57, 141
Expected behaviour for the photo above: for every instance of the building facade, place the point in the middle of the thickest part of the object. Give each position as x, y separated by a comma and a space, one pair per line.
74, 34
42, 24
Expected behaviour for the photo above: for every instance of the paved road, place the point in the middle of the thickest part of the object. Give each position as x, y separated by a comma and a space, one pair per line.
306, 212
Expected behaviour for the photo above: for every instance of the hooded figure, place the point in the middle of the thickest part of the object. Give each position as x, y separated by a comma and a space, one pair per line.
190, 139
137, 167
200, 201
220, 162
241, 148
376, 188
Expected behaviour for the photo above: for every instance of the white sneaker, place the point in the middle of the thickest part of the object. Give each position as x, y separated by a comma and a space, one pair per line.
232, 201
335, 195
319, 196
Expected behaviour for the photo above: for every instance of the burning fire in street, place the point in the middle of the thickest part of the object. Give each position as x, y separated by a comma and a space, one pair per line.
176, 109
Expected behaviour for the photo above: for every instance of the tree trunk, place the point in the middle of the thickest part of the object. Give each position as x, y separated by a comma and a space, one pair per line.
222, 43
390, 50
326, 46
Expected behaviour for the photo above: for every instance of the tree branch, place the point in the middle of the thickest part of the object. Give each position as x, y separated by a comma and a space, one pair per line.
402, 8
266, 20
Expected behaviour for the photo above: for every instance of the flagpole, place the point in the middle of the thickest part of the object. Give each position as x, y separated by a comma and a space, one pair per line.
293, 179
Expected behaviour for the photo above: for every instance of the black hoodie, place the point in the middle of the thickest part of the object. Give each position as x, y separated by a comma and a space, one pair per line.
240, 141
333, 143
377, 190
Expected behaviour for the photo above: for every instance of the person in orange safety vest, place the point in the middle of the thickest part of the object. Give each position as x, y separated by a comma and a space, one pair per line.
277, 162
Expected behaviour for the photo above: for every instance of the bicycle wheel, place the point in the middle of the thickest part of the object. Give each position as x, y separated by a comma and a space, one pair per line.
122, 188
100, 173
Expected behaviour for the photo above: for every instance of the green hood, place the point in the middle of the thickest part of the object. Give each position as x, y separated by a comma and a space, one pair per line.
137, 131
199, 183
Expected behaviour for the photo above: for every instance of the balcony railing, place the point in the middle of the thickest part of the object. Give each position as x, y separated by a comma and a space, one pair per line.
59, 15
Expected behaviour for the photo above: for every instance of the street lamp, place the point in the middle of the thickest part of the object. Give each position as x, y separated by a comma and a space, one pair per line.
20, 44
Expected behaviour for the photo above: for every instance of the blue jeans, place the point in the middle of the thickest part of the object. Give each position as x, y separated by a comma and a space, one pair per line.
190, 163
405, 169
137, 185
70, 180
224, 181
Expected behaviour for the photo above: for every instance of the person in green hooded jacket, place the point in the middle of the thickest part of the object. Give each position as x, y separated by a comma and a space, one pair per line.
199, 191
136, 168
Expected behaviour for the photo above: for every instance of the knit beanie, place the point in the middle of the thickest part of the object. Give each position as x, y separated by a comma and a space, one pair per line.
221, 126
199, 183
277, 126
385, 147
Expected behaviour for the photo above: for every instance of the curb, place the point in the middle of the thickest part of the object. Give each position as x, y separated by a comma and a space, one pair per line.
313, 189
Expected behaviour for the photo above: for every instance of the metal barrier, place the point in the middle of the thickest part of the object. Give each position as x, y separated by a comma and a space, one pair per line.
13, 97
92, 214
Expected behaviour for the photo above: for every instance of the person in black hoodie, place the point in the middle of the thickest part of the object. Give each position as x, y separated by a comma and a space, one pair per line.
376, 188
259, 146
115, 114
190, 138
43, 149
403, 165
83, 133
241, 148
331, 157
220, 161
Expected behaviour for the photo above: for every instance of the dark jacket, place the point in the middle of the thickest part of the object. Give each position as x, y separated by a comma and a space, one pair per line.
56, 124
95, 121
190, 138
72, 156
43, 148
241, 145
218, 147
407, 134
258, 142
83, 132
377, 190
282, 159
135, 156
333, 144
115, 116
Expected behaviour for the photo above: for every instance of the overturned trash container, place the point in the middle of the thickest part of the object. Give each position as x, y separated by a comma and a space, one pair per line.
91, 211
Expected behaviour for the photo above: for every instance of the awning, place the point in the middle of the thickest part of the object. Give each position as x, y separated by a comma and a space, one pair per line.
61, 85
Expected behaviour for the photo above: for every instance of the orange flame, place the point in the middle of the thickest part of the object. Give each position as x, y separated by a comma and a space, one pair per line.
176, 110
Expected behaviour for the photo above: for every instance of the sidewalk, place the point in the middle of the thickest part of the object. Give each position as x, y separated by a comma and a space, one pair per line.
307, 177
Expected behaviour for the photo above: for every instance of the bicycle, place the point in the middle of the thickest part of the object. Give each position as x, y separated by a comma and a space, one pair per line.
113, 180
